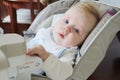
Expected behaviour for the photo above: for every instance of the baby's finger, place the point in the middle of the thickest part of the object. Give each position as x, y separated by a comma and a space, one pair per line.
29, 51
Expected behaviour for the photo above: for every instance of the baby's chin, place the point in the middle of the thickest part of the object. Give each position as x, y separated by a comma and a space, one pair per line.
61, 42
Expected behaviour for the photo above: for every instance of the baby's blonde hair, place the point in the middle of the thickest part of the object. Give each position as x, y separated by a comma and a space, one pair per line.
90, 7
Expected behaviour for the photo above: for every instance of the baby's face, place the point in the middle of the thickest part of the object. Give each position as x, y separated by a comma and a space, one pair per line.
73, 27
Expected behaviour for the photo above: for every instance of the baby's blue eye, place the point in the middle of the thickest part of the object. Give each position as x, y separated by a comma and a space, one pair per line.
66, 21
76, 30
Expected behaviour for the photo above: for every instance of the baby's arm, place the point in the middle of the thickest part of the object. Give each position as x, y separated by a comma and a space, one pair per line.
62, 68
59, 69
39, 51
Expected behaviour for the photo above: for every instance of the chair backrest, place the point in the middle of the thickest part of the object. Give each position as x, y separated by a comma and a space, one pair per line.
33, 5
40, 6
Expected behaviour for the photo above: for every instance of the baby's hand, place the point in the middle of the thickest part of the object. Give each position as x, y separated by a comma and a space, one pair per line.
39, 51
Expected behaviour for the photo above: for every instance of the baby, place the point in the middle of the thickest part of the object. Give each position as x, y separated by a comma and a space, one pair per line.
57, 45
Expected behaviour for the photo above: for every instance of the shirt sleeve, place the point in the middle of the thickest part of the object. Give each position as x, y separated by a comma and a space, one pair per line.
56, 69
60, 69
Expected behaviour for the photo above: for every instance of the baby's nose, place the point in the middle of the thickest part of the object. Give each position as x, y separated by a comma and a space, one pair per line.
67, 30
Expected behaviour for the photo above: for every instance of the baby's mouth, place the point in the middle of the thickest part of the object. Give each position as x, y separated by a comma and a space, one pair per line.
61, 35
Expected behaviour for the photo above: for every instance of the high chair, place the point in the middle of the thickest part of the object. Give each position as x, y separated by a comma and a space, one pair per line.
95, 50
95, 46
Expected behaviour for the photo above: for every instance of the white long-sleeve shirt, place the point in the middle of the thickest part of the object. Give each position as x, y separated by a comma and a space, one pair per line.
55, 68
